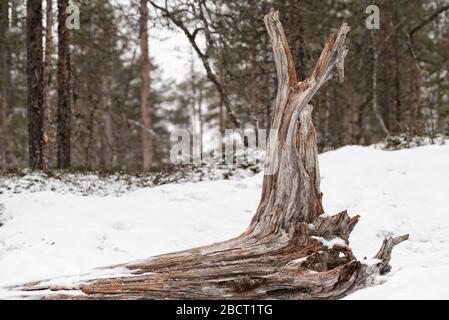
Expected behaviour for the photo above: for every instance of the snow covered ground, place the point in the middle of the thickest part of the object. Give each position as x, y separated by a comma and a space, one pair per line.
47, 234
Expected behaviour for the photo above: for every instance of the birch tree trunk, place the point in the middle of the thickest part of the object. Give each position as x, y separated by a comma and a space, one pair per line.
290, 250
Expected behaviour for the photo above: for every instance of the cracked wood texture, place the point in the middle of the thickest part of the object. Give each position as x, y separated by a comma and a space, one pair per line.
290, 250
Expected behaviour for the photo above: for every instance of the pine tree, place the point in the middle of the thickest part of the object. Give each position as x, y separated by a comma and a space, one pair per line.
147, 133
64, 125
35, 84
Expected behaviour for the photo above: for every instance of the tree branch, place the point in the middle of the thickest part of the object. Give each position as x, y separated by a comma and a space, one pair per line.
204, 59
427, 20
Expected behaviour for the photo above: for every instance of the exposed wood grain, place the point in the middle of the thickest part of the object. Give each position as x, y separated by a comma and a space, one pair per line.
289, 251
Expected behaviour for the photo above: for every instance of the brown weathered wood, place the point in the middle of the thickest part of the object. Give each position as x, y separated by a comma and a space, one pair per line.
64, 110
290, 250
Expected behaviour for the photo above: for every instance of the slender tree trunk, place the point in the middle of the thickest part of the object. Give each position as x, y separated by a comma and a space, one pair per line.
295, 29
196, 151
35, 78
254, 98
417, 121
5, 87
386, 68
64, 125
397, 71
109, 156
147, 139
254, 94
285, 252
200, 119
376, 111
4, 26
47, 81
221, 114
221, 118
268, 91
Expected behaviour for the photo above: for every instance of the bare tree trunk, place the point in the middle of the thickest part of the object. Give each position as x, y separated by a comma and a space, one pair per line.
4, 26
108, 156
254, 94
221, 115
386, 67
397, 71
64, 96
147, 139
197, 120
196, 151
107, 143
415, 88
285, 252
200, 119
268, 91
295, 28
4, 71
47, 81
221, 118
35, 84
376, 111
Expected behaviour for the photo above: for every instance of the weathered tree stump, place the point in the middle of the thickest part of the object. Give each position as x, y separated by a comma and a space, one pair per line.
290, 250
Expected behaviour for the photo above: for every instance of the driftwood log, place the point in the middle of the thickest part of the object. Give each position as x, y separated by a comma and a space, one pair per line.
291, 250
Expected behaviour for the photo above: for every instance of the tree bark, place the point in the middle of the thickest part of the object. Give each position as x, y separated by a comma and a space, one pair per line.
47, 81
221, 115
290, 250
107, 141
35, 78
5, 74
374, 86
64, 97
397, 71
295, 29
147, 143
254, 101
4, 26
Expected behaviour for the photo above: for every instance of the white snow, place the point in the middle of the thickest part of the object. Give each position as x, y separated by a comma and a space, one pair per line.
331, 243
50, 234
395, 192
297, 261
47, 234
117, 184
